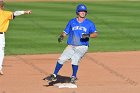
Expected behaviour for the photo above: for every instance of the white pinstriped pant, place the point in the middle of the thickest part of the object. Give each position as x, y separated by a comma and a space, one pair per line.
2, 45
75, 53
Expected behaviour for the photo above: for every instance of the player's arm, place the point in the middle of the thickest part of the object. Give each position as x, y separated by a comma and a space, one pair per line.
18, 13
85, 37
65, 32
62, 36
93, 35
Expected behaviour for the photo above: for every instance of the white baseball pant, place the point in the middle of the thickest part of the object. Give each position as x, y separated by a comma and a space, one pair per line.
2, 45
75, 53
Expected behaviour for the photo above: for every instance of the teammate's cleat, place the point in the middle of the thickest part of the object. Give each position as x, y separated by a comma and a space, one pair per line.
52, 77
73, 80
1, 73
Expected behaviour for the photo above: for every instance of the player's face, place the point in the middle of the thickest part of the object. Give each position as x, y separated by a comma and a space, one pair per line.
82, 14
1, 5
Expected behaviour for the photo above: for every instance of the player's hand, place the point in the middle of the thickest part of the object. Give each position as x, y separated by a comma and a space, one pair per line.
27, 12
85, 36
60, 38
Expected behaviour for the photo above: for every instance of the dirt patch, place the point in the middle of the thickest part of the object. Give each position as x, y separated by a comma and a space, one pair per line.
98, 73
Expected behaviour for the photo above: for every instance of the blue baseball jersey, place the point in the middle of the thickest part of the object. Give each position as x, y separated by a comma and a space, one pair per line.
75, 29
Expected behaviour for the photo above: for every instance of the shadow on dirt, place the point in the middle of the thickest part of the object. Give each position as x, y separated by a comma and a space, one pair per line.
60, 79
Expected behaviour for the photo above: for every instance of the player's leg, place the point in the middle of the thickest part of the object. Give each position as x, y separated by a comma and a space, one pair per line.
53, 77
79, 53
1, 60
2, 45
66, 55
74, 74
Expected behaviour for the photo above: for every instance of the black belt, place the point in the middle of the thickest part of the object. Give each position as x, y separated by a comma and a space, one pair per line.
1, 32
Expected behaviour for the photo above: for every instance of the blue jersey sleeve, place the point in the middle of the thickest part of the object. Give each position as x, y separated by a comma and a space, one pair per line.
68, 28
92, 28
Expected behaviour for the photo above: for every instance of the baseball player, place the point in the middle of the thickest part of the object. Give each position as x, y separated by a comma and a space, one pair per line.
78, 30
5, 17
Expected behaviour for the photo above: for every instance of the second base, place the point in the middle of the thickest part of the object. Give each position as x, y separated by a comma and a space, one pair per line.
65, 85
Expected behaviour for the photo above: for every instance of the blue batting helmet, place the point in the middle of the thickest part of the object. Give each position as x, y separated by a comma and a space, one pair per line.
81, 7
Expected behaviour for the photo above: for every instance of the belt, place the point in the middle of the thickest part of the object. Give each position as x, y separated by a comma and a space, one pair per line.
1, 32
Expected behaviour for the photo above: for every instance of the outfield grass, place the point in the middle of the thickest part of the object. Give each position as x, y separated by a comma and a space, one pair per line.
116, 22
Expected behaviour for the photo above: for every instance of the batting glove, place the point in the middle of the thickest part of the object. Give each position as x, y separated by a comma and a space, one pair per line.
85, 37
60, 38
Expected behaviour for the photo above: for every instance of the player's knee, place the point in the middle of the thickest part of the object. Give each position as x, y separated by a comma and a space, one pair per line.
1, 50
60, 61
74, 63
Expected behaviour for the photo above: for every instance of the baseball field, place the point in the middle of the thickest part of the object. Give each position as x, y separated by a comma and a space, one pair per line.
31, 51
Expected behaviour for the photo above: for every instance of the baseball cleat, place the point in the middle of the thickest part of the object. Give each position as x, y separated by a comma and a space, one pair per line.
50, 78
1, 73
73, 80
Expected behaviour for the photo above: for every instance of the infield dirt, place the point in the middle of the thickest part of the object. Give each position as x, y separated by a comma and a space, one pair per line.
98, 73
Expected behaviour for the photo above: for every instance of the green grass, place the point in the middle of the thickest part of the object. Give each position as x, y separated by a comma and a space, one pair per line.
116, 22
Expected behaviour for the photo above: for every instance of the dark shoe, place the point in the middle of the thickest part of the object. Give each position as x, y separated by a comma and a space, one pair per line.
52, 77
1, 73
73, 80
